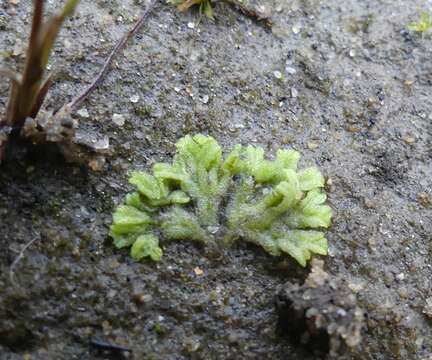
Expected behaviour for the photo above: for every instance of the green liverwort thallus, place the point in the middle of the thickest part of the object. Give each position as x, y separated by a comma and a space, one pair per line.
205, 197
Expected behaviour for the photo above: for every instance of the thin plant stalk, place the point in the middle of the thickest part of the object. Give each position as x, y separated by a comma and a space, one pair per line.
28, 90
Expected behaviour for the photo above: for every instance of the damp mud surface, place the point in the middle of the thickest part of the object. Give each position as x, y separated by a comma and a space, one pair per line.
343, 82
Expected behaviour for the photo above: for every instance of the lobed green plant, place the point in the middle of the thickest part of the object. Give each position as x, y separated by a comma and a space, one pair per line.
423, 25
204, 6
204, 197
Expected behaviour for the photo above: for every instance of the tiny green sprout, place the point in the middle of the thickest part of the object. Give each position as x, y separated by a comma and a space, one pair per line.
423, 25
205, 197
204, 6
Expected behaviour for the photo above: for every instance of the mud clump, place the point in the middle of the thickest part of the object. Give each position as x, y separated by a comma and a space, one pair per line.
322, 314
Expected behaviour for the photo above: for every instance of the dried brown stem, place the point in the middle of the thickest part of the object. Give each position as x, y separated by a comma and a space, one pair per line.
37, 21
41, 96
15, 82
29, 89
42, 39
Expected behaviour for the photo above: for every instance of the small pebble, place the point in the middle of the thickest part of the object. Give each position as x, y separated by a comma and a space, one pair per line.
312, 146
134, 99
198, 271
408, 139
296, 29
356, 288
317, 277
286, 140
97, 164
424, 199
106, 327
189, 90
352, 53
141, 298
118, 119
191, 25
277, 74
108, 19
370, 204
192, 345
290, 70
205, 99
294, 92
403, 292
353, 128
400, 276
76, 252
83, 113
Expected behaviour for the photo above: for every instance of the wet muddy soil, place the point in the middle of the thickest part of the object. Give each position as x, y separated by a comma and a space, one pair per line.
343, 82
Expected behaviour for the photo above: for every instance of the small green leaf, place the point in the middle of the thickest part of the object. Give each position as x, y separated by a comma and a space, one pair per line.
207, 9
310, 178
284, 196
178, 197
310, 213
128, 219
254, 156
134, 200
268, 172
423, 25
126, 215
181, 224
199, 151
121, 241
302, 244
172, 172
69, 8
146, 246
148, 185
233, 162
288, 159
268, 243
